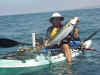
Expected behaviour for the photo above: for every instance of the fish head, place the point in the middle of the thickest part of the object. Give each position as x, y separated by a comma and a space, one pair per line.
75, 20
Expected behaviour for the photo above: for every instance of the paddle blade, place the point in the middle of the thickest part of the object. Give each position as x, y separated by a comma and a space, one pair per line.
5, 43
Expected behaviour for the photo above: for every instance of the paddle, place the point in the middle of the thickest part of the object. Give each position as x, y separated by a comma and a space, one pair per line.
6, 43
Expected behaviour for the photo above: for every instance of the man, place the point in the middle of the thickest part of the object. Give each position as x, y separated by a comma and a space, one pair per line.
56, 20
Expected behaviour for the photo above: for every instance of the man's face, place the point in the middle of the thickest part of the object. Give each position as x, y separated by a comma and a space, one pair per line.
56, 21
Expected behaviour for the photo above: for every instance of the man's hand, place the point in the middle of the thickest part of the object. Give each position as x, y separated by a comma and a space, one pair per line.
46, 43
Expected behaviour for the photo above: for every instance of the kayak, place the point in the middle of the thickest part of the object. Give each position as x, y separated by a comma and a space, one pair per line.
41, 59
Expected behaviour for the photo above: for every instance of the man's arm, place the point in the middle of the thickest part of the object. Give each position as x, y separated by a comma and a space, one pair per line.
76, 34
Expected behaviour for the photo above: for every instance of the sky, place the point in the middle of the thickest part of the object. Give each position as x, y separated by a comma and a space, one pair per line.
8, 7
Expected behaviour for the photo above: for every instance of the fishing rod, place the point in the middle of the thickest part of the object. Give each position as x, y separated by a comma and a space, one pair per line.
90, 36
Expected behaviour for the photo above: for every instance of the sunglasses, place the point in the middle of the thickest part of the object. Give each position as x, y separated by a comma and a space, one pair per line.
56, 19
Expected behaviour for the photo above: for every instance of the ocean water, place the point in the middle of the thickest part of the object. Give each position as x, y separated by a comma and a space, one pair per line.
20, 28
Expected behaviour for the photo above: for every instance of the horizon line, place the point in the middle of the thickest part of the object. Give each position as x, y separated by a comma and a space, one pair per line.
23, 13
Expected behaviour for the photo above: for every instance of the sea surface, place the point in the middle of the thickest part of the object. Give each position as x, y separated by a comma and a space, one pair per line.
21, 27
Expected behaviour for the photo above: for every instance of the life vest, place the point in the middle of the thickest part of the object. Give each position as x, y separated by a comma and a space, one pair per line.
53, 32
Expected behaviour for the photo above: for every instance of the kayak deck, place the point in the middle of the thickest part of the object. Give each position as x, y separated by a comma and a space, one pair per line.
37, 61
40, 59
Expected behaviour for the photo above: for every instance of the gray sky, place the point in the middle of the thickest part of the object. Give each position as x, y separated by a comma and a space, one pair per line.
33, 6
